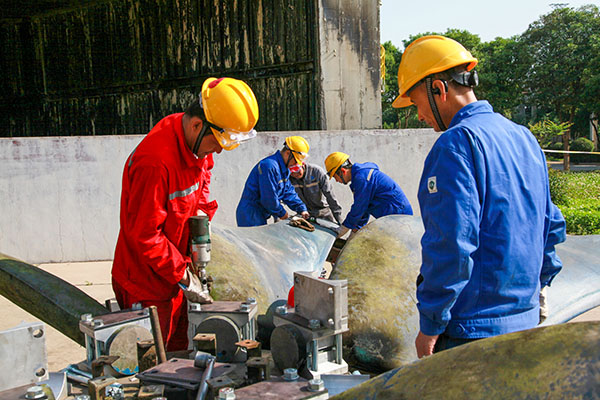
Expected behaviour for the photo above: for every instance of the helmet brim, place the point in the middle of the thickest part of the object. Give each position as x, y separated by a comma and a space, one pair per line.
401, 102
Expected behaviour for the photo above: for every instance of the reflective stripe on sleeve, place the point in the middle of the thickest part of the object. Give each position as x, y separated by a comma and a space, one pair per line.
185, 192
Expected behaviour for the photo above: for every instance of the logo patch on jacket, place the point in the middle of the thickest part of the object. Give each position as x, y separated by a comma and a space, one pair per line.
432, 184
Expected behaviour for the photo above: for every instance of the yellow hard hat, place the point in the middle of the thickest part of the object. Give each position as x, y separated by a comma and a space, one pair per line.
334, 161
425, 56
231, 109
298, 146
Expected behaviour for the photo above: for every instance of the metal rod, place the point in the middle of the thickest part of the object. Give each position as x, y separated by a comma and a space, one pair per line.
203, 389
338, 348
315, 350
158, 340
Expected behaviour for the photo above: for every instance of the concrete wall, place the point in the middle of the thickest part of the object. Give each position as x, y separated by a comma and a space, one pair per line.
350, 64
59, 197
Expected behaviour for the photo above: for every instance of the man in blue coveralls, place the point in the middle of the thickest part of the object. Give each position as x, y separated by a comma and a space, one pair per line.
268, 185
375, 193
490, 225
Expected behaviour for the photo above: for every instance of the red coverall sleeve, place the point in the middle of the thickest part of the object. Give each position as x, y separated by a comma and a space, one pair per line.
146, 214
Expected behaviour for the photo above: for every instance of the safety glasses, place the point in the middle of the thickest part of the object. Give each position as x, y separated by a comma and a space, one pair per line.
229, 139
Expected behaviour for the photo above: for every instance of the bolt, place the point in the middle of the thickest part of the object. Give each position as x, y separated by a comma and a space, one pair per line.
86, 317
281, 310
314, 324
251, 300
136, 306
331, 322
290, 374
316, 385
244, 307
35, 392
226, 393
195, 307
96, 323
330, 290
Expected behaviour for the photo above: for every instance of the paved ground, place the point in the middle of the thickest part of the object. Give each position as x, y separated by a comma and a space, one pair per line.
94, 279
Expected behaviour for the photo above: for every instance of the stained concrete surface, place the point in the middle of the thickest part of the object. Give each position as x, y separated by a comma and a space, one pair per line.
94, 279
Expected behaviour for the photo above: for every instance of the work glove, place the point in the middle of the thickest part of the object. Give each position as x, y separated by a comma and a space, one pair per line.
543, 305
194, 291
342, 231
301, 223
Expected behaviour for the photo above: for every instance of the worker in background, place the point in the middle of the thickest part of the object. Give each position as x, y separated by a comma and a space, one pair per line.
268, 185
375, 193
490, 226
315, 191
165, 182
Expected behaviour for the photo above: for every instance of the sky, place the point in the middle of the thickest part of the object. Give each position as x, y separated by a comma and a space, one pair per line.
488, 19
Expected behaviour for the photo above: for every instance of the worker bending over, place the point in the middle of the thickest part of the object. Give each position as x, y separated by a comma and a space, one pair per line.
315, 191
374, 192
165, 182
490, 226
268, 185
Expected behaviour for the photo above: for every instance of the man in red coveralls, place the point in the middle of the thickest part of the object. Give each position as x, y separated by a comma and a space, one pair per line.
165, 182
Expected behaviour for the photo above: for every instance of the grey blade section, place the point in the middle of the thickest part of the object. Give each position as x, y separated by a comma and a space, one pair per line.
382, 262
49, 298
260, 261
576, 289
556, 362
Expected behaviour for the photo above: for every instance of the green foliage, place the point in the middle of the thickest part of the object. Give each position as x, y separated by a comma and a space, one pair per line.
559, 44
550, 72
502, 64
582, 144
577, 194
547, 131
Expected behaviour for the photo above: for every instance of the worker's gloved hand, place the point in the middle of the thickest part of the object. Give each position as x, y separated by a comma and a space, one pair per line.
300, 222
342, 231
194, 291
209, 282
543, 305
305, 215
285, 216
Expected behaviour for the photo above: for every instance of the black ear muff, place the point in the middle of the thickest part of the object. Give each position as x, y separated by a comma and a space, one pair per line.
473, 78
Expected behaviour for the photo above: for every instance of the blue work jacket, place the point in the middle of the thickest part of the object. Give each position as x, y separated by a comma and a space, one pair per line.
375, 194
490, 228
266, 187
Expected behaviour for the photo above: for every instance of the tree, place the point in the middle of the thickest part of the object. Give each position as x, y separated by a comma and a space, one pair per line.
560, 44
392, 60
502, 65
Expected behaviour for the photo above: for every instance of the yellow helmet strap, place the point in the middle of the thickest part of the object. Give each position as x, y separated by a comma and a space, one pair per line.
434, 108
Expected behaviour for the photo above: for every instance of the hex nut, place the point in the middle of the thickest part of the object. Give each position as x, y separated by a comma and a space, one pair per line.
316, 385
86, 317
35, 392
290, 374
251, 300
195, 307
226, 393
281, 310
